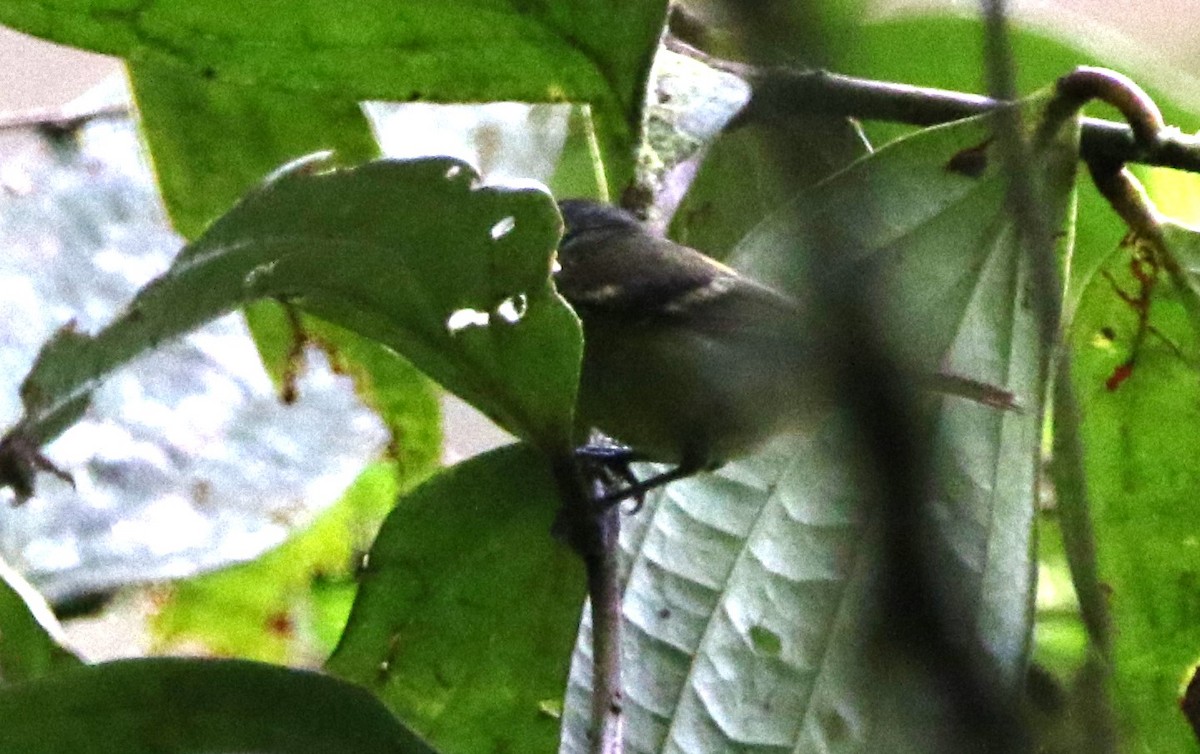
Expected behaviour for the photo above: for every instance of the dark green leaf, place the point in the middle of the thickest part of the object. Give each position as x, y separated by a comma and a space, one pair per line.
412, 254
467, 607
741, 182
30, 640
200, 706
594, 51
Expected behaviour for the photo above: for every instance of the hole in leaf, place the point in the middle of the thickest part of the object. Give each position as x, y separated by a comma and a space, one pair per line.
464, 318
513, 308
503, 227
453, 172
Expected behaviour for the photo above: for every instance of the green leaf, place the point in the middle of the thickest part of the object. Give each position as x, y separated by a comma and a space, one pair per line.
403, 398
212, 140
740, 182
914, 48
747, 608
280, 607
412, 254
783, 545
201, 706
30, 637
467, 607
476, 51
1136, 348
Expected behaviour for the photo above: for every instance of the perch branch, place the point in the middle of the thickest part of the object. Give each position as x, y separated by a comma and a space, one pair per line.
591, 530
781, 93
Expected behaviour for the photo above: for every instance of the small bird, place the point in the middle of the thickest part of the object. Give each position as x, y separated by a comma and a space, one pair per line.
685, 361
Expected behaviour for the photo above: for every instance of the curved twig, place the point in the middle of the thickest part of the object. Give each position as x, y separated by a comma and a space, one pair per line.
780, 94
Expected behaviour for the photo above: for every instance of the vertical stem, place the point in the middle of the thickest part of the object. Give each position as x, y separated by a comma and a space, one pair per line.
604, 591
592, 530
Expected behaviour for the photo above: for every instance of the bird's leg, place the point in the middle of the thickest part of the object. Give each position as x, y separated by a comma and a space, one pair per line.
609, 460
637, 490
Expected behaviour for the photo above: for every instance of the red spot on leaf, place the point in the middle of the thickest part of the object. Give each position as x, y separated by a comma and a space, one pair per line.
1119, 375
280, 624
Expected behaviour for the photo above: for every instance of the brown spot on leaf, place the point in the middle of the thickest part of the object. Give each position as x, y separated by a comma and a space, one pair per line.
289, 390
20, 460
971, 162
1118, 376
280, 624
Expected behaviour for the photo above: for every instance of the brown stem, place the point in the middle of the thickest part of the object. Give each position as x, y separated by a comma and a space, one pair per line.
1127, 197
1087, 83
592, 530
781, 93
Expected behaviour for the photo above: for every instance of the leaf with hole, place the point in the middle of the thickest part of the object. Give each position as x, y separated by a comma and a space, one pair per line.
412, 254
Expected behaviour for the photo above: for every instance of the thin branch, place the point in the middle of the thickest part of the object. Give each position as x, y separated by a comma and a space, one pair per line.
781, 93
62, 119
592, 530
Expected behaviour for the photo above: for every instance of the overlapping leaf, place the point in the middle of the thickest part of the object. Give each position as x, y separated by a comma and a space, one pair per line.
200, 706
30, 640
467, 608
412, 254
749, 597
1136, 344
477, 51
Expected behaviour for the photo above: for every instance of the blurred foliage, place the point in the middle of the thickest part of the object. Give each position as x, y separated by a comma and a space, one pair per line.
464, 609
196, 707
290, 605
29, 633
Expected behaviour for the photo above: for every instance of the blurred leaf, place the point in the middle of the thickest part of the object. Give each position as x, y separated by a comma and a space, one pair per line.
30, 637
741, 182
413, 254
278, 608
213, 140
914, 48
813, 33
783, 545
751, 169
1175, 194
201, 706
1136, 353
403, 398
580, 172
477, 51
467, 607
